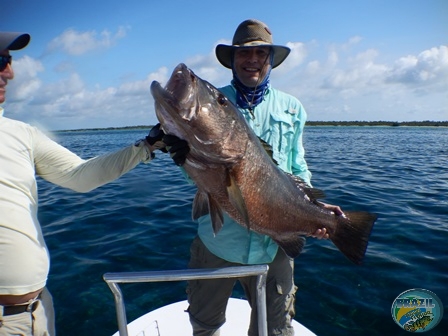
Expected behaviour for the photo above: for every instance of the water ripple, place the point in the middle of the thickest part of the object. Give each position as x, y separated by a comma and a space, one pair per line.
143, 222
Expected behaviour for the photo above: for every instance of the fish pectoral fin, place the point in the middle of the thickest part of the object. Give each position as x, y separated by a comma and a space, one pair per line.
291, 244
237, 200
203, 204
352, 234
268, 148
216, 216
200, 205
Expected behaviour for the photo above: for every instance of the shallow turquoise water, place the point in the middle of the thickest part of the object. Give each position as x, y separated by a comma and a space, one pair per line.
142, 222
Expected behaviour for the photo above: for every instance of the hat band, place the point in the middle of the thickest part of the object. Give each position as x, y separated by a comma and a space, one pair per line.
253, 44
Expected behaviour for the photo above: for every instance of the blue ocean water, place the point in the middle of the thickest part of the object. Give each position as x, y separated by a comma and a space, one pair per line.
142, 222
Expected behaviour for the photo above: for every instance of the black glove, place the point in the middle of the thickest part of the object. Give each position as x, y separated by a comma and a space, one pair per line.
156, 134
177, 147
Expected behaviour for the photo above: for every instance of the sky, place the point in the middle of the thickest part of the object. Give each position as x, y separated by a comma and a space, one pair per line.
90, 64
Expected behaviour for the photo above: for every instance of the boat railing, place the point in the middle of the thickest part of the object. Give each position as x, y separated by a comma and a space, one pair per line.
260, 271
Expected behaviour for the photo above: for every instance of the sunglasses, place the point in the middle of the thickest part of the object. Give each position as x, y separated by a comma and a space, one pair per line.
4, 61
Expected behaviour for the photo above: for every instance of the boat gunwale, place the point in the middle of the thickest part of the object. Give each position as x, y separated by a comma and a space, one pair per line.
260, 271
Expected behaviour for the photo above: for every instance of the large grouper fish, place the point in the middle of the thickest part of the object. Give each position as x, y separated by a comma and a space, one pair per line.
234, 173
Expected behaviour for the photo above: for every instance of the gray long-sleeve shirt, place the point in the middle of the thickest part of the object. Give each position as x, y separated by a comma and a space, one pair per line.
24, 153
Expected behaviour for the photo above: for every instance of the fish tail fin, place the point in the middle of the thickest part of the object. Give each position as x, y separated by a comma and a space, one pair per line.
352, 234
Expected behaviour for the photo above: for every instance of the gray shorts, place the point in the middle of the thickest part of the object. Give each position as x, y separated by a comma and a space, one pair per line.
40, 322
208, 298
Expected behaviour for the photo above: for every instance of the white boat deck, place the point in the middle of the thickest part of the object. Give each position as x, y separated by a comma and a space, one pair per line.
172, 320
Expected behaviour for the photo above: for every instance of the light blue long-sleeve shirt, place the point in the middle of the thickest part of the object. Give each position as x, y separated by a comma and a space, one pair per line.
279, 120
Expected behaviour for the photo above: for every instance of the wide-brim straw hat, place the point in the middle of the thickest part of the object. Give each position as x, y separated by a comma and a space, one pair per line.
251, 33
13, 41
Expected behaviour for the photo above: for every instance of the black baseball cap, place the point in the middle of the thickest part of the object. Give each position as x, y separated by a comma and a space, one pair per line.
13, 41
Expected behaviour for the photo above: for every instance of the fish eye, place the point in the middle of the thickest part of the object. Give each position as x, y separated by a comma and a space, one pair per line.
222, 100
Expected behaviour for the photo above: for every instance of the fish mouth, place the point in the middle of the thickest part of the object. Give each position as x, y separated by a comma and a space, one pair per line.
177, 99
178, 91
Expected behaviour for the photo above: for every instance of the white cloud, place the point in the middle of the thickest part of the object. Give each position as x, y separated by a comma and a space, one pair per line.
26, 81
68, 103
360, 71
340, 85
333, 58
297, 55
74, 42
357, 86
351, 42
429, 67
313, 68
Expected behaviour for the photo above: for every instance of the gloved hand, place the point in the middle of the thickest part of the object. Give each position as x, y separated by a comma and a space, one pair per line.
177, 147
156, 134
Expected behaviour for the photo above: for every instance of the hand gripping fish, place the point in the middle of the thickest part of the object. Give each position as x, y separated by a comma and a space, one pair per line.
234, 173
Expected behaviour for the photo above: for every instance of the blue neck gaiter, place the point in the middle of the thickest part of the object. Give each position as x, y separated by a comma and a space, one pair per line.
247, 97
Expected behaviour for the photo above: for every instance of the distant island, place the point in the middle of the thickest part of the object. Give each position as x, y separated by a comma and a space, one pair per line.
426, 123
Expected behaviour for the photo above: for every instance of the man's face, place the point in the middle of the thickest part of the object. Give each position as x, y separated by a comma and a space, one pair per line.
251, 64
5, 75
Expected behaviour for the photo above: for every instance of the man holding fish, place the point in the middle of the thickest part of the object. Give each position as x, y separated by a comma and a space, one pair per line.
278, 120
251, 57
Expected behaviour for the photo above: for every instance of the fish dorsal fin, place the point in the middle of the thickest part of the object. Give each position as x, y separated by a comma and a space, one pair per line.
312, 193
204, 204
268, 148
237, 200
